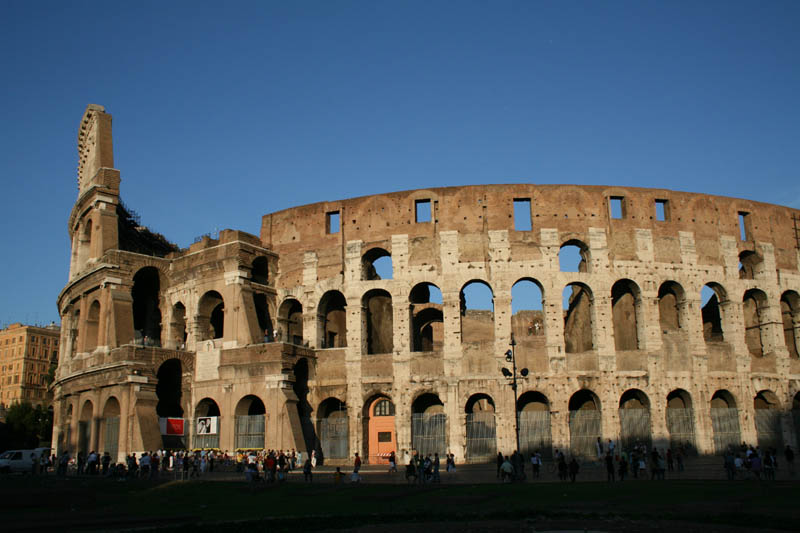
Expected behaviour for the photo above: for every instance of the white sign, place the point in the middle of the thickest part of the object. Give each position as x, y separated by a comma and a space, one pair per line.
207, 425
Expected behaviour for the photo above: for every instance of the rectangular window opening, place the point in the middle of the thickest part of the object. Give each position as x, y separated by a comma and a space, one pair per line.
422, 210
743, 223
522, 214
384, 436
662, 210
617, 207
332, 222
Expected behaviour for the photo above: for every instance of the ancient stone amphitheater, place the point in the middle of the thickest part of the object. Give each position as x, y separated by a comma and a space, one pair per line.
399, 321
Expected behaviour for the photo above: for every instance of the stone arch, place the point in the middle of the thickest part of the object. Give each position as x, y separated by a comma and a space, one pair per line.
790, 314
376, 263
574, 256
179, 332
109, 428
527, 311
250, 422
481, 429
427, 318
754, 309
634, 419
768, 414
92, 340
85, 421
333, 429
578, 318
169, 389
750, 264
428, 424
585, 423
380, 433
477, 313
626, 308
211, 316
290, 320
671, 298
259, 270
712, 311
533, 410
378, 322
146, 293
332, 320
680, 421
725, 421
263, 316
206, 424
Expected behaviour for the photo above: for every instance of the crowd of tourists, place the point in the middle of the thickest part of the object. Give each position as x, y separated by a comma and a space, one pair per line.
748, 462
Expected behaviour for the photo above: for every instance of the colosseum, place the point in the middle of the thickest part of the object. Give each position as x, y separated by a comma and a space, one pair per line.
460, 320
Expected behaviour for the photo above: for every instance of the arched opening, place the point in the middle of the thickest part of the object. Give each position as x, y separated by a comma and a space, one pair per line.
168, 389
680, 421
290, 320
332, 320
796, 418
634, 419
211, 316
749, 265
85, 427
378, 321
259, 272
754, 309
333, 429
527, 312
625, 306
376, 264
264, 319
533, 410
578, 323
712, 296
427, 319
207, 424
573, 257
477, 313
109, 428
178, 325
146, 314
790, 313
381, 434
670, 299
65, 437
92, 327
481, 429
428, 425
725, 421
250, 423
769, 429
585, 424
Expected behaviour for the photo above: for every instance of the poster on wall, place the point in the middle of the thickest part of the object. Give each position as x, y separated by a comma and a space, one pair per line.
171, 426
207, 425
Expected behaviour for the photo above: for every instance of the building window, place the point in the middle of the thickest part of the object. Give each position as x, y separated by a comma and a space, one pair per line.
522, 214
384, 408
617, 206
422, 211
744, 225
332, 222
662, 210
384, 436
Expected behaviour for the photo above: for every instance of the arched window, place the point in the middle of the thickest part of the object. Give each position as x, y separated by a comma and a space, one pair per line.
578, 320
259, 272
92, 327
376, 263
527, 311
384, 407
573, 257
290, 318
670, 300
754, 308
211, 316
790, 313
750, 264
477, 313
427, 319
712, 297
332, 320
146, 313
378, 321
625, 306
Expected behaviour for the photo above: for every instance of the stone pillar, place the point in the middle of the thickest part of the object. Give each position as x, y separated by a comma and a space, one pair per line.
124, 441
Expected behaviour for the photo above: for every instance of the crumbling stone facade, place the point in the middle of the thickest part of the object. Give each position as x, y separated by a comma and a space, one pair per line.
297, 328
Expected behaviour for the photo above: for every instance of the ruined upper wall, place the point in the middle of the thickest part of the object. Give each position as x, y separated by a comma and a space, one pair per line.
95, 146
569, 209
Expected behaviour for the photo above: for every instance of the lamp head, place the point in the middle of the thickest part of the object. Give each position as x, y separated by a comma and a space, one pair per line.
509, 356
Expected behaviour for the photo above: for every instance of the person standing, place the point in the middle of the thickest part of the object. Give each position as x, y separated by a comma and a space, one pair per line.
307, 475
392, 463
574, 467
499, 463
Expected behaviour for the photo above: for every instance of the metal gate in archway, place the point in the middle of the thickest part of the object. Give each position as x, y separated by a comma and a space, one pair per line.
333, 437
725, 424
250, 432
428, 433
481, 437
111, 437
680, 424
534, 433
634, 425
769, 429
83, 437
585, 426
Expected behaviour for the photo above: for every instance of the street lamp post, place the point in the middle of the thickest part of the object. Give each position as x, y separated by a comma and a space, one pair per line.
511, 357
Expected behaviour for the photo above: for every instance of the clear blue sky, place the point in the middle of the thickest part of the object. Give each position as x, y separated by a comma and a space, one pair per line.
224, 111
